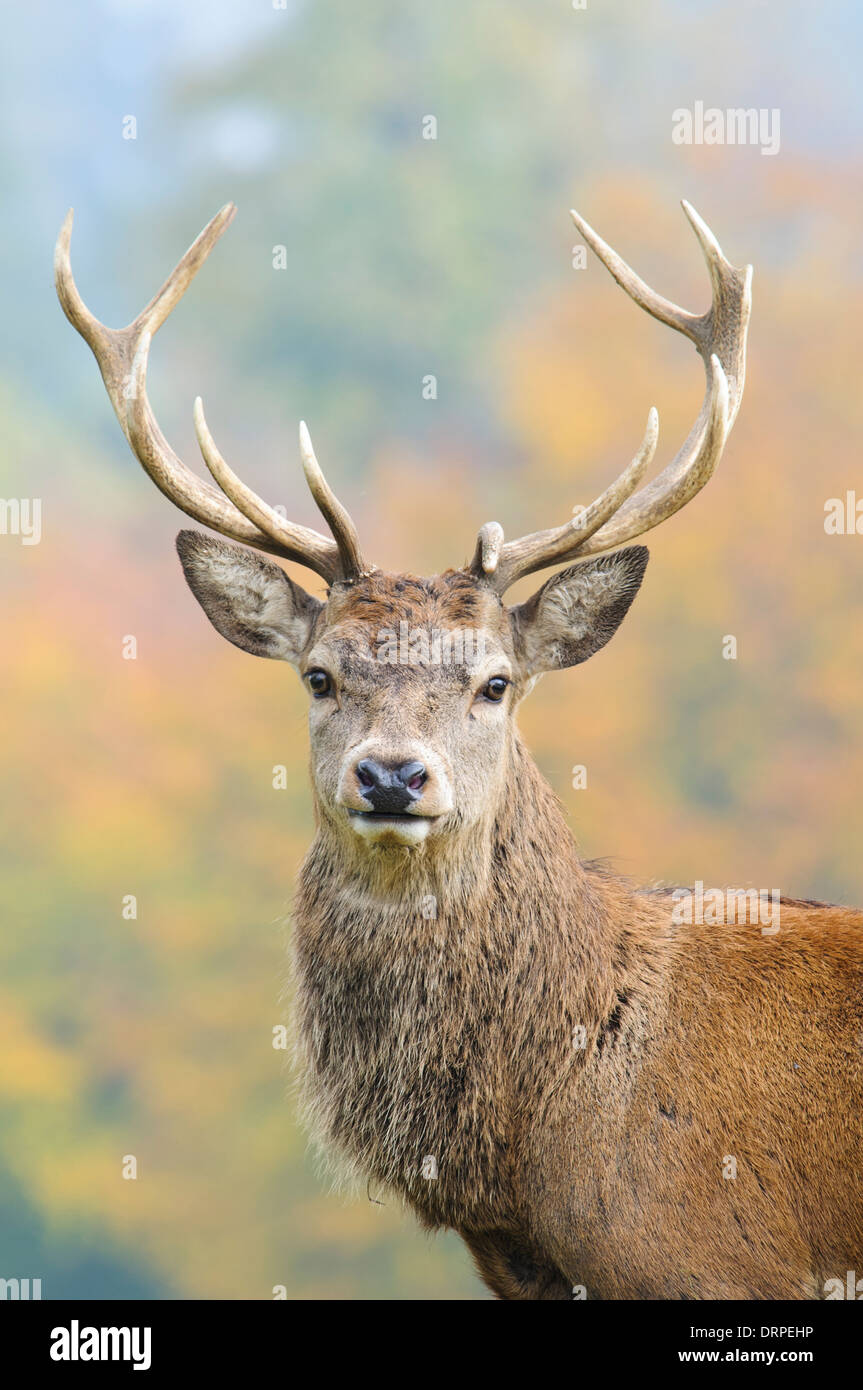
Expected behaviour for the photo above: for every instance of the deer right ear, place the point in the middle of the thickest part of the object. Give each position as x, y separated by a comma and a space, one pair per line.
577, 611
248, 599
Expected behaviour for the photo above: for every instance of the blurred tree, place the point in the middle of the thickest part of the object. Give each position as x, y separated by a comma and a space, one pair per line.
405, 257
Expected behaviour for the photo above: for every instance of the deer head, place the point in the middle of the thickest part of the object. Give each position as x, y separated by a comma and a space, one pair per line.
414, 682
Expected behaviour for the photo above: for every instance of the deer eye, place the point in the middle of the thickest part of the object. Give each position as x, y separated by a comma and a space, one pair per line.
495, 689
319, 683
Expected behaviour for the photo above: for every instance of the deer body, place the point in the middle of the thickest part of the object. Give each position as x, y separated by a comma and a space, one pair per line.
453, 1038
596, 1095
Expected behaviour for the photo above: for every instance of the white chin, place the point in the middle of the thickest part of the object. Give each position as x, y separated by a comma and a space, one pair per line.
407, 830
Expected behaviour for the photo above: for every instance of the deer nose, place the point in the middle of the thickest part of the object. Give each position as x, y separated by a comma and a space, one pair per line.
390, 788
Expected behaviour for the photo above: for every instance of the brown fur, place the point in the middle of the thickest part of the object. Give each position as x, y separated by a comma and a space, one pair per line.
599, 1168
449, 1035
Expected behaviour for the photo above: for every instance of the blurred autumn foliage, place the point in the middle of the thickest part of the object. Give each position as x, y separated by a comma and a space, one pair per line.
153, 777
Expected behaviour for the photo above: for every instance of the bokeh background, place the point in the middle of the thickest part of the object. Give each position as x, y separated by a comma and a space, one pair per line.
405, 257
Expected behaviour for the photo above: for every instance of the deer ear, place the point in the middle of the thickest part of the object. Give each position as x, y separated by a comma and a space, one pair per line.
577, 611
248, 599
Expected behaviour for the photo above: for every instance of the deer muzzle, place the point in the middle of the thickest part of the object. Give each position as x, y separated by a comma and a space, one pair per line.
394, 798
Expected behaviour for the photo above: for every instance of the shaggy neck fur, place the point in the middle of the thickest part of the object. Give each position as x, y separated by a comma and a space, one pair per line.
430, 982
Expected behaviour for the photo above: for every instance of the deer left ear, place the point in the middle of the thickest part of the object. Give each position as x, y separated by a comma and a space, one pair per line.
577, 611
248, 599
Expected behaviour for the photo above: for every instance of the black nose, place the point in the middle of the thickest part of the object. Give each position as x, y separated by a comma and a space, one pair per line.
390, 790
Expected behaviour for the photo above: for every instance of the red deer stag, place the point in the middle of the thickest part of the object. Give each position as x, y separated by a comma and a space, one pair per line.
599, 1092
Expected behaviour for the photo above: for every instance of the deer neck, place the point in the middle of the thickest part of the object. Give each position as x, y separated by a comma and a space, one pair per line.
422, 1012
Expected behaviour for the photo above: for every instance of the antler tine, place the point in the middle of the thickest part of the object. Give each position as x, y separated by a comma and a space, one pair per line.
489, 544
122, 355
621, 513
517, 558
655, 304
335, 515
294, 542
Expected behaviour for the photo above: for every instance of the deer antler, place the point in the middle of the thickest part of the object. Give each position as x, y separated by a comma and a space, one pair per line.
235, 511
621, 513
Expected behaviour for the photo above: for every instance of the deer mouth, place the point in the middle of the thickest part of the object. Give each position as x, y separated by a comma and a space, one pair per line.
406, 829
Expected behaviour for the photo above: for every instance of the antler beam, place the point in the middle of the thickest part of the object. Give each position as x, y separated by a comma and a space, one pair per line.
621, 513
